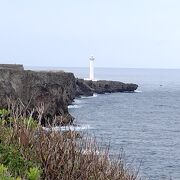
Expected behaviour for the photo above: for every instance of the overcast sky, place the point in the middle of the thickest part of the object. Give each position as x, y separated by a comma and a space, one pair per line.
119, 33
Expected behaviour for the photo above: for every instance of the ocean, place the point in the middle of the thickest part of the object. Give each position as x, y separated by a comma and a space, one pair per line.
145, 124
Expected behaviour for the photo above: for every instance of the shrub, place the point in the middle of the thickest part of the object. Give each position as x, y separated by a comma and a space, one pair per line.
34, 174
30, 123
11, 158
63, 158
32, 153
4, 175
4, 112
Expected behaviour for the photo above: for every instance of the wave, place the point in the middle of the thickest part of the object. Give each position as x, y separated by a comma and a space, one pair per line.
88, 97
138, 91
67, 128
73, 106
75, 128
77, 101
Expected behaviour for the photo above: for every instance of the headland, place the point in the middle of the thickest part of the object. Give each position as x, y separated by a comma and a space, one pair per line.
53, 91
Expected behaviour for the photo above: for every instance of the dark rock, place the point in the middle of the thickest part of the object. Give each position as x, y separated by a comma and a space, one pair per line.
52, 90
111, 86
12, 66
83, 89
87, 88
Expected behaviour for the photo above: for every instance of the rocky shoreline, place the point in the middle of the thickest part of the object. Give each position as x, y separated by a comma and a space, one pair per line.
88, 88
52, 91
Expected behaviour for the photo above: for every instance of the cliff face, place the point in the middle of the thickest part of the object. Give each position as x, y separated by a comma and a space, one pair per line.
83, 89
52, 90
12, 66
102, 86
87, 88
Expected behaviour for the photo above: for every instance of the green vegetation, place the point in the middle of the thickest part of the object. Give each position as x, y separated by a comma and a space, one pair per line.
4, 175
34, 174
28, 152
3, 112
11, 158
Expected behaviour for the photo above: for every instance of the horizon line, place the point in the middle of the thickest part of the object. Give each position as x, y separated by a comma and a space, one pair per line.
160, 68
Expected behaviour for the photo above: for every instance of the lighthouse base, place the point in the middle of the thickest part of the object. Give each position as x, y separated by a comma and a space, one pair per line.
88, 79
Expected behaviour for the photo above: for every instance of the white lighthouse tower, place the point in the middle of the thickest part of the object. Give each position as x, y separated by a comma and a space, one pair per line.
91, 68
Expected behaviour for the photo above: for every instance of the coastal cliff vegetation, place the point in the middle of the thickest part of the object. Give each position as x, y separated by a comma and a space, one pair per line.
29, 152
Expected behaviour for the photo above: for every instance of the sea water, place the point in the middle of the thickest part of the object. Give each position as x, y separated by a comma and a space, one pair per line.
146, 124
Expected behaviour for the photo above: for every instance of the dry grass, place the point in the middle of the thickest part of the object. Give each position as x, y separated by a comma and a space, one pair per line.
61, 156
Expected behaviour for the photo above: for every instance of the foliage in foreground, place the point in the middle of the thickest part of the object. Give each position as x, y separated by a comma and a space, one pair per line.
28, 152
33, 174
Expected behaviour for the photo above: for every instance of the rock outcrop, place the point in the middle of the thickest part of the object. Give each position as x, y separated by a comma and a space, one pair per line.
12, 66
50, 92
83, 89
87, 88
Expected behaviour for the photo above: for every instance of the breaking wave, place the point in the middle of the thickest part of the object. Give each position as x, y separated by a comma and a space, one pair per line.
73, 106
88, 97
68, 128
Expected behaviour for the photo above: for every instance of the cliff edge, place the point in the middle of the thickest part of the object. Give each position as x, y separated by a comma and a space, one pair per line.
88, 88
50, 92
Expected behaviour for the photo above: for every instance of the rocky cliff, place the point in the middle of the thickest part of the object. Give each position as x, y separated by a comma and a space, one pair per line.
12, 66
87, 88
50, 91
53, 91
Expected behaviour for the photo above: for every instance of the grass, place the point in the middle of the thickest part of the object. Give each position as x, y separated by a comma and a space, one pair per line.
28, 152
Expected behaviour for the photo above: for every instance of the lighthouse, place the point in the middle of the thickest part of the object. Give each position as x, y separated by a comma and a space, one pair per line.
91, 68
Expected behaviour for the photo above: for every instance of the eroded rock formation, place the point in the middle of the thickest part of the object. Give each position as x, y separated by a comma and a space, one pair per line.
87, 88
51, 91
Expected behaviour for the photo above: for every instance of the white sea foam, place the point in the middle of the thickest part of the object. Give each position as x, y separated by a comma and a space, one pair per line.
67, 128
89, 151
88, 97
73, 106
75, 128
137, 91
77, 101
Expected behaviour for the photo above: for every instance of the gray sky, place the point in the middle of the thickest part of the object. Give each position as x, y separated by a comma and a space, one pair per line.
120, 33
